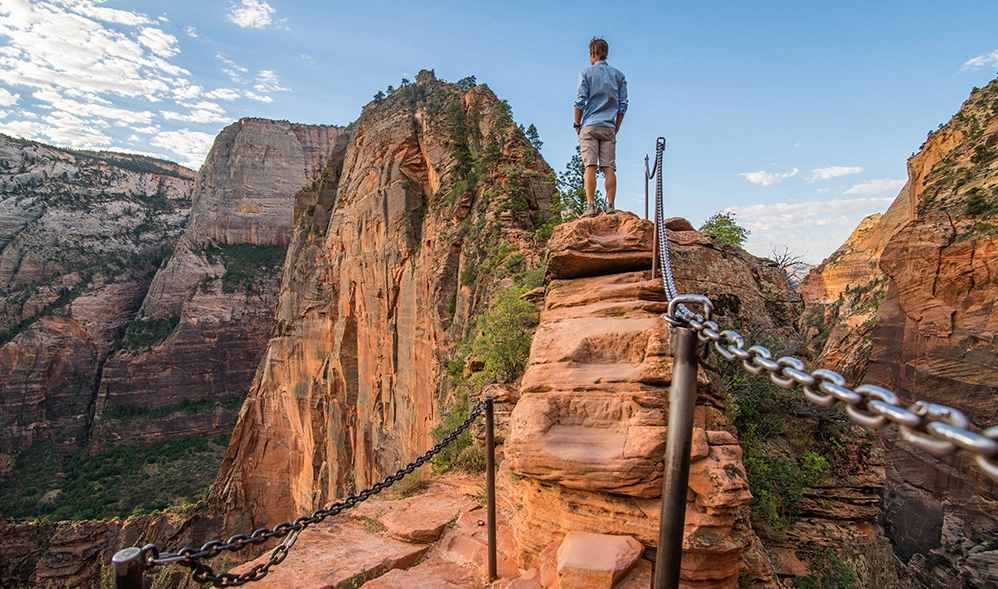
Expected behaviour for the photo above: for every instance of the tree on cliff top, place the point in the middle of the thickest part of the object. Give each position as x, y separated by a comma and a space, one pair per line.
725, 229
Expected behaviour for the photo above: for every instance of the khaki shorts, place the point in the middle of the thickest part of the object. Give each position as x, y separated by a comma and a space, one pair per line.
598, 143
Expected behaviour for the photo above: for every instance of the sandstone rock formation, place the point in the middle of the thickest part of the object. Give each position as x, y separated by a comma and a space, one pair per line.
924, 319
372, 299
81, 234
587, 437
220, 286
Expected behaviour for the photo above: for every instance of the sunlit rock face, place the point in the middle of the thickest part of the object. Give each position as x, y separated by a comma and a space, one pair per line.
586, 440
908, 304
372, 299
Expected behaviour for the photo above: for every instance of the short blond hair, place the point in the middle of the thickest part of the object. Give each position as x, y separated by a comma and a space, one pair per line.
599, 47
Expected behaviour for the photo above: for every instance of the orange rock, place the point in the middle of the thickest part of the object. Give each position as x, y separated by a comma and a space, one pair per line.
595, 560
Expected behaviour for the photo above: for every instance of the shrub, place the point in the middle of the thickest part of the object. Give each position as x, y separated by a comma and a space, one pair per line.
505, 341
145, 333
724, 228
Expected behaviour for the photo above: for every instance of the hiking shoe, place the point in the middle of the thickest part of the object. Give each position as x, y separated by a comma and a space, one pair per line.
610, 210
589, 212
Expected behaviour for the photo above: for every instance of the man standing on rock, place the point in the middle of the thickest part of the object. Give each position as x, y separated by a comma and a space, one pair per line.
600, 105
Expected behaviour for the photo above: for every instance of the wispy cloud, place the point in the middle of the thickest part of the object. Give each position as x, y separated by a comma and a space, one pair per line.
986, 60
878, 186
833, 172
251, 14
766, 178
794, 223
189, 145
84, 75
268, 81
191, 32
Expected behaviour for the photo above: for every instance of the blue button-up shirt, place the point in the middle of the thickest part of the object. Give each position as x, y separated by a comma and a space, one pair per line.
602, 95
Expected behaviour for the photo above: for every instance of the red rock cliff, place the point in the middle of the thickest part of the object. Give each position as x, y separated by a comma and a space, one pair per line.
372, 301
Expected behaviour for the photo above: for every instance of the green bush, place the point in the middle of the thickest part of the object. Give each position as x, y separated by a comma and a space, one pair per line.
826, 569
505, 341
145, 333
452, 417
724, 228
246, 264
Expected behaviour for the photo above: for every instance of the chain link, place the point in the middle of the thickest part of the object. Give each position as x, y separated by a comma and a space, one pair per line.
937, 429
203, 573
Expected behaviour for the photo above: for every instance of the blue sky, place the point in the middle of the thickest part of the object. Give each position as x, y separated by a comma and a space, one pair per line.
796, 116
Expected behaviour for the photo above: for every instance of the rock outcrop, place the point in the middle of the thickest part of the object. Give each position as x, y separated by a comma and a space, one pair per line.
376, 292
587, 437
81, 234
216, 294
922, 325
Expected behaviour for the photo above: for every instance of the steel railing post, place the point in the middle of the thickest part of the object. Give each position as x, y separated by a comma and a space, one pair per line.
647, 174
675, 480
490, 483
128, 568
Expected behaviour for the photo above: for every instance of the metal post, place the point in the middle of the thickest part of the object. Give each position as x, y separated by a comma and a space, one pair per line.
675, 480
490, 483
655, 254
646, 186
128, 568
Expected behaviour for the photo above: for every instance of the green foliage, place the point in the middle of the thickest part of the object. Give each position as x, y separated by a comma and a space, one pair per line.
146, 333
453, 416
724, 228
572, 186
826, 569
51, 483
980, 204
982, 155
246, 264
467, 83
205, 405
533, 135
505, 341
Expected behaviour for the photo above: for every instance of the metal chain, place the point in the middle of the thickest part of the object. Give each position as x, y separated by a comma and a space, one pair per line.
203, 573
937, 429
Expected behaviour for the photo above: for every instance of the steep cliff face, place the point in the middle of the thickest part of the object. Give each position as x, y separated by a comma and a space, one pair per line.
81, 235
923, 325
428, 183
587, 437
210, 309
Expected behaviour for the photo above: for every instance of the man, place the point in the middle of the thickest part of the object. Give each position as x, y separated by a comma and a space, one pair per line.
600, 105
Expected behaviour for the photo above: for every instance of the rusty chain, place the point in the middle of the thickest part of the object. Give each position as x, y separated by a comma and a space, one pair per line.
203, 573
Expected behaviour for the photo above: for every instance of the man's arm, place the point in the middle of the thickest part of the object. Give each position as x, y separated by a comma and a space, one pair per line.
621, 102
581, 98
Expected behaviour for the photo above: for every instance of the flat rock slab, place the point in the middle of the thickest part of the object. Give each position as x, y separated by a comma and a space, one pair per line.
330, 554
433, 573
596, 561
422, 518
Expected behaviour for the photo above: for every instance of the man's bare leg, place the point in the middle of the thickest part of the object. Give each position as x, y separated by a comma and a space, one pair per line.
590, 182
611, 185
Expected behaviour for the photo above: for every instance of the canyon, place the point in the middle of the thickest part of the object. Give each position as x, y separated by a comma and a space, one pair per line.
344, 281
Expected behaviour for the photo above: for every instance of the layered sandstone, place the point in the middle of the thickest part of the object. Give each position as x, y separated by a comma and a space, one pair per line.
586, 439
372, 300
81, 234
926, 334
243, 196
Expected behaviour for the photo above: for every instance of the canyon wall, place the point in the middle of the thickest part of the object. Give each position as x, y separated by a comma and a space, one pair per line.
428, 189
81, 235
915, 313
215, 297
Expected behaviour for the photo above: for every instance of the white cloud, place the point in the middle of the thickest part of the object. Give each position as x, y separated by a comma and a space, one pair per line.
267, 81
162, 44
833, 172
8, 99
203, 112
824, 190
793, 223
222, 94
232, 69
191, 146
252, 14
191, 32
878, 186
255, 96
986, 60
146, 130
767, 179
